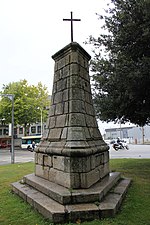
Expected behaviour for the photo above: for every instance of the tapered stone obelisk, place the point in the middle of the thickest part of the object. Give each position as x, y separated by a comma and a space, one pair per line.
72, 152
72, 179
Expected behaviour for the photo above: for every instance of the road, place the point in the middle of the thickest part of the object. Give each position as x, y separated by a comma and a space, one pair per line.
21, 156
135, 151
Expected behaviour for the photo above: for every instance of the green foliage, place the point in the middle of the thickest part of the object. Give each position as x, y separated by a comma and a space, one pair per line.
29, 100
121, 65
135, 208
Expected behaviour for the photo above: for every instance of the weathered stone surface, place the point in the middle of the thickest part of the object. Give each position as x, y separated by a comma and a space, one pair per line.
62, 205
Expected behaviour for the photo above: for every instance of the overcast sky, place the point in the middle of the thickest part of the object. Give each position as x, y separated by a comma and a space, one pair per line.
31, 31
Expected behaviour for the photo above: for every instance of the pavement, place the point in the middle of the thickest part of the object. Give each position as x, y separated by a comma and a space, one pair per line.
22, 156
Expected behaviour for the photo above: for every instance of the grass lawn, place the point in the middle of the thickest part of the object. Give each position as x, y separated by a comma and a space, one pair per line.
135, 209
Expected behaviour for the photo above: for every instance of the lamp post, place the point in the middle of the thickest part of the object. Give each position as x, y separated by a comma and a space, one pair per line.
41, 120
11, 97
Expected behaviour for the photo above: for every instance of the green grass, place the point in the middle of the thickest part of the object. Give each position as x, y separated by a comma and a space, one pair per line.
134, 211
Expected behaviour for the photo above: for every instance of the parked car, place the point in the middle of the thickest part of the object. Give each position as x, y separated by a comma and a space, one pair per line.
4, 145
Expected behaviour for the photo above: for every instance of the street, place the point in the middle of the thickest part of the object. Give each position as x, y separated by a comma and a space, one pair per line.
135, 151
21, 156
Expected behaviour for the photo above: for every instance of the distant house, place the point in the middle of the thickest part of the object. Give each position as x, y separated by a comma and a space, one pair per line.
113, 133
134, 134
5, 139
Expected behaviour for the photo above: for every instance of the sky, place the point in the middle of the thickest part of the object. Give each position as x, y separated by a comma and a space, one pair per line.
33, 30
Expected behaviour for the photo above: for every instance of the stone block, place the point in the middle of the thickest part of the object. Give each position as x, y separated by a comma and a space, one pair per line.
76, 106
95, 133
61, 63
47, 161
92, 162
103, 170
78, 146
62, 84
99, 159
69, 180
58, 97
64, 133
106, 156
74, 69
89, 109
55, 133
52, 121
58, 75
40, 158
87, 133
77, 119
74, 57
84, 74
61, 120
55, 67
59, 162
90, 121
81, 61
54, 87
90, 178
76, 133
66, 107
82, 212
52, 110
36, 158
67, 60
88, 97
75, 94
59, 108
66, 95
39, 171
81, 165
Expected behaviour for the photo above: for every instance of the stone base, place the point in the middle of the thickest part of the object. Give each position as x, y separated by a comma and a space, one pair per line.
72, 172
62, 205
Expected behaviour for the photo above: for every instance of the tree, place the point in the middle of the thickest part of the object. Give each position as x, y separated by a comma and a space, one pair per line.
29, 100
121, 63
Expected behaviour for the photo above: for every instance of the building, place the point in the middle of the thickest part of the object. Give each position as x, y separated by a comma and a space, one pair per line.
5, 138
134, 134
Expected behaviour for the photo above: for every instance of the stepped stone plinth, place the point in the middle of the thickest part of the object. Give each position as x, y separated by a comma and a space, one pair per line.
72, 160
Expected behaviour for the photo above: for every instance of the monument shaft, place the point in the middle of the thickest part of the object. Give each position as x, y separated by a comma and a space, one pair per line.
72, 152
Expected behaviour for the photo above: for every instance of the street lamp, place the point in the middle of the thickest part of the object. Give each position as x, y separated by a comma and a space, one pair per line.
41, 120
11, 97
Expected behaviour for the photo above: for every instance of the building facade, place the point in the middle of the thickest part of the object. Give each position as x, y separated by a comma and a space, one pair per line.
19, 132
134, 134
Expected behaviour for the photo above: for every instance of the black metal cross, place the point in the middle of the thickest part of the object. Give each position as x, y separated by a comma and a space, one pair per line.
71, 24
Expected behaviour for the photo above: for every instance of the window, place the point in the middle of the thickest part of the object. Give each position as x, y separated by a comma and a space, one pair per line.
15, 130
33, 129
39, 129
5, 131
0, 131
20, 130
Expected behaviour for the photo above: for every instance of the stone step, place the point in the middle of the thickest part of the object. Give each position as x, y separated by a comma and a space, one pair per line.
67, 196
59, 213
46, 206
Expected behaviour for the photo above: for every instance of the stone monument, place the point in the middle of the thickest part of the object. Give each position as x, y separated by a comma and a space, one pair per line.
72, 180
